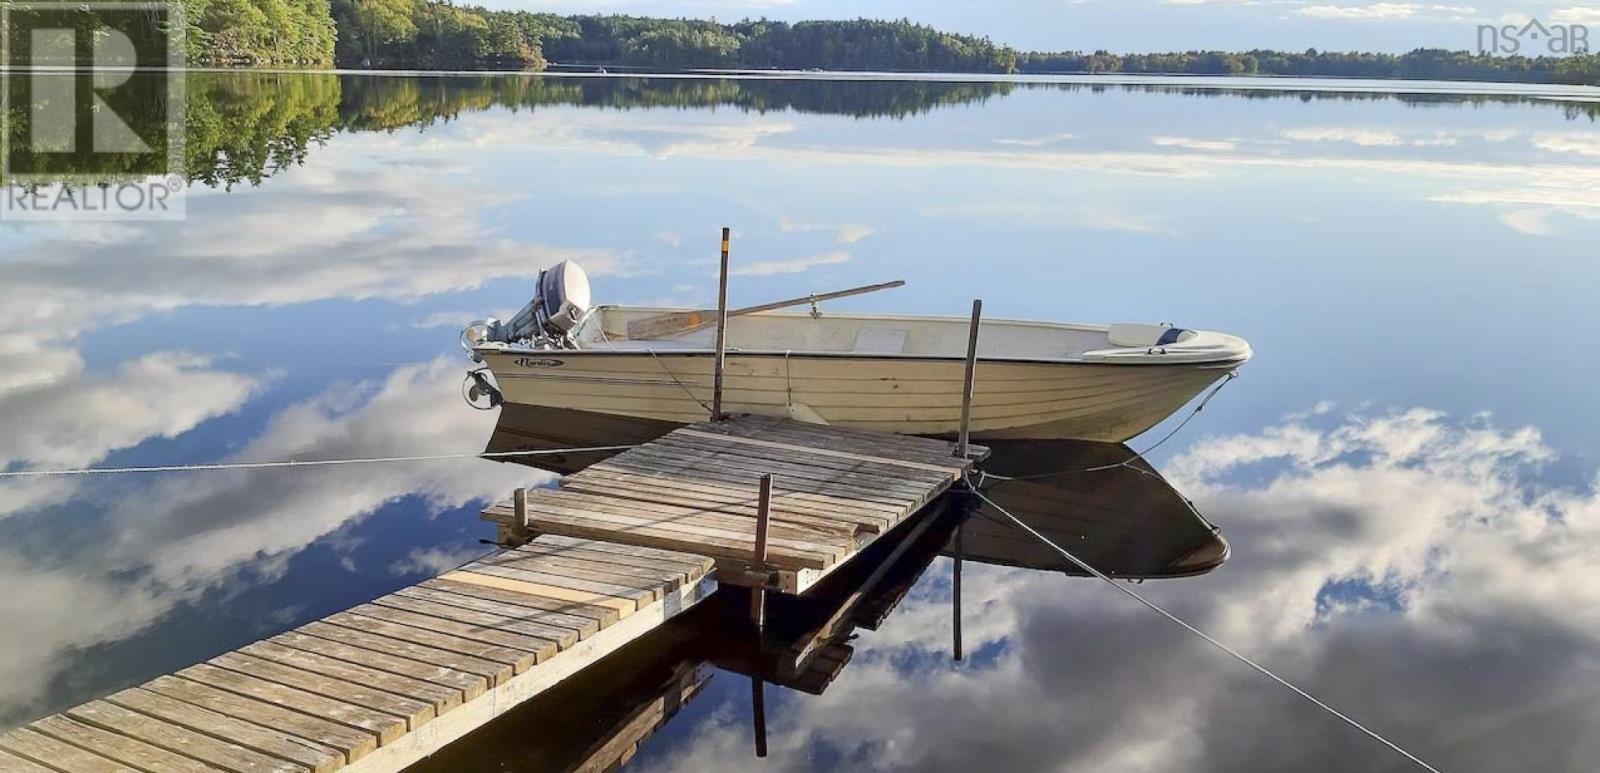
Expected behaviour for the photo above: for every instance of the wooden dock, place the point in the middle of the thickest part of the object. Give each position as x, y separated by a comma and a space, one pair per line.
384, 684
835, 491
621, 547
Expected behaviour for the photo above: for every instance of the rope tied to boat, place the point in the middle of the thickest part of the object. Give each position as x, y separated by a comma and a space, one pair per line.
304, 462
1081, 564
1137, 456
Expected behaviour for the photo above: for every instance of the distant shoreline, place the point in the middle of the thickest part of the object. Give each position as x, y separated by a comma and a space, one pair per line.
1321, 83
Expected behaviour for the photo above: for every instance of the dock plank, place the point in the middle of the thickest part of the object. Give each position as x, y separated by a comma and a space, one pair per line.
306, 754
489, 671
387, 727
179, 739
562, 637
39, 748
130, 751
353, 743
442, 698
581, 626
599, 616
11, 763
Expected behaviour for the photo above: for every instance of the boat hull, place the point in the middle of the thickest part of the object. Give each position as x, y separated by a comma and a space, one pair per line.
904, 395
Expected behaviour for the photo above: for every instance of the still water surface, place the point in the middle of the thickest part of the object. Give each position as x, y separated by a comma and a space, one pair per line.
1406, 472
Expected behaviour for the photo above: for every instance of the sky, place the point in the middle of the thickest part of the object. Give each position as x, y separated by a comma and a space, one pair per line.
1144, 25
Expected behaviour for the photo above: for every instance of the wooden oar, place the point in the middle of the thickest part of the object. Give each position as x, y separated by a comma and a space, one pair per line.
678, 323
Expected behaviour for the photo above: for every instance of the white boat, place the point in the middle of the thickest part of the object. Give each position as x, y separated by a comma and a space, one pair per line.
893, 373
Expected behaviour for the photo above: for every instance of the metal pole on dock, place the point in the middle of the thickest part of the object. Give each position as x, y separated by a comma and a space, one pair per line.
758, 594
955, 592
972, 373
722, 330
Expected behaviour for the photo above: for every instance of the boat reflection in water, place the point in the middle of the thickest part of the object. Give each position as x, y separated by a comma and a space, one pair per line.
1125, 520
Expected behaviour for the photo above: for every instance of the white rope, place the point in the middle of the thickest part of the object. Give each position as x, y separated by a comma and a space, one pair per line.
300, 462
1202, 634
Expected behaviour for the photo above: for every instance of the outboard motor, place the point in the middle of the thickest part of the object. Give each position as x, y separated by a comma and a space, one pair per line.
560, 301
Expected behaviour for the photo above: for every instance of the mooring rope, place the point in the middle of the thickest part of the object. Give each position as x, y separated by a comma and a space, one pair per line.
1081, 564
1137, 455
674, 377
302, 462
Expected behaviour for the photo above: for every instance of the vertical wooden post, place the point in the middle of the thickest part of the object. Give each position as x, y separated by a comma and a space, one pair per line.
972, 373
758, 594
955, 591
520, 532
722, 331
758, 714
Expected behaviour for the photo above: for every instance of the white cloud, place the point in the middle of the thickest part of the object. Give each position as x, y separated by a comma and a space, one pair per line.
1534, 222
434, 561
72, 418
178, 536
844, 233
1580, 143
1588, 15
1385, 11
1191, 143
769, 267
1036, 142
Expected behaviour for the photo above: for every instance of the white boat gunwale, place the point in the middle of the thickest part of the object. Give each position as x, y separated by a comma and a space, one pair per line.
1139, 356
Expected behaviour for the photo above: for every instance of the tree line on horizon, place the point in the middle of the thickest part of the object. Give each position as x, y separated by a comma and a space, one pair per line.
438, 34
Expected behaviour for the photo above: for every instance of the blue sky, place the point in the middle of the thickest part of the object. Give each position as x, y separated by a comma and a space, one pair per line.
1146, 25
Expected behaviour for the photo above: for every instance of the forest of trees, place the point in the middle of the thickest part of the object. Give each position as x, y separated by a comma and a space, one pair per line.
438, 34
1421, 64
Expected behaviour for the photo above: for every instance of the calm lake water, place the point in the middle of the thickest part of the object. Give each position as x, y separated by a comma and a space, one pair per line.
1406, 472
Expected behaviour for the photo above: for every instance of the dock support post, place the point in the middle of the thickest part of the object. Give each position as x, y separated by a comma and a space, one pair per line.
971, 376
520, 531
955, 591
722, 331
758, 714
758, 594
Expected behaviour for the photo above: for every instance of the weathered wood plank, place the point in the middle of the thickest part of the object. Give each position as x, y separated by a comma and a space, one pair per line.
727, 496
678, 573
601, 616
579, 625
492, 672
664, 579
674, 556
519, 659
415, 712
563, 637
841, 458
442, 698
40, 748
640, 591
117, 746
266, 740
800, 492
387, 727
354, 743
466, 685
545, 648
549, 516
686, 509
11, 763
213, 753
510, 579
683, 519
792, 481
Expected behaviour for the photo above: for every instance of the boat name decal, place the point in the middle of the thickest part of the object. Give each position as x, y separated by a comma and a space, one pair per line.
538, 362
